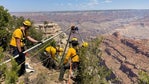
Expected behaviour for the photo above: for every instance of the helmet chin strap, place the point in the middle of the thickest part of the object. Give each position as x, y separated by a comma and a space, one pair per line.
26, 28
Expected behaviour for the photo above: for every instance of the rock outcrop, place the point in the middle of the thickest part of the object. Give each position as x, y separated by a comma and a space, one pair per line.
51, 29
48, 29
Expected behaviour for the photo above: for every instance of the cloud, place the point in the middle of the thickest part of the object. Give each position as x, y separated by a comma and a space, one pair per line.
93, 2
88, 5
107, 1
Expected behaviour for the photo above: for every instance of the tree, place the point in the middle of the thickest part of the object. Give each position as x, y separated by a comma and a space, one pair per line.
4, 24
4, 17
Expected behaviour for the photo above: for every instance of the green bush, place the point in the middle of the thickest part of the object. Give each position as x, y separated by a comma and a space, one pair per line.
2, 67
143, 78
4, 17
9, 73
90, 72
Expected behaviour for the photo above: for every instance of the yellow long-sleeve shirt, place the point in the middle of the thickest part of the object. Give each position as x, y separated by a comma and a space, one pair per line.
71, 54
52, 51
16, 34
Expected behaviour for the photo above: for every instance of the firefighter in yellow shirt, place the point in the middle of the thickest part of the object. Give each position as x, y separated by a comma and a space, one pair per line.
71, 54
17, 44
51, 53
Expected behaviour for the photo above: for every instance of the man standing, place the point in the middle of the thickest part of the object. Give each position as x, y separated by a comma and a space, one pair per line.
17, 44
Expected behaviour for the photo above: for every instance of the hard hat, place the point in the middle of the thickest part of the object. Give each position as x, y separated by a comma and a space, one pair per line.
84, 44
74, 39
61, 49
27, 23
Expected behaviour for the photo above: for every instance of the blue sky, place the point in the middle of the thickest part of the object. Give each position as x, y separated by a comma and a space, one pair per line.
71, 5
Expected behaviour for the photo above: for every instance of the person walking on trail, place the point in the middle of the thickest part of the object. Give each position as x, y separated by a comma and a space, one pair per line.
71, 54
50, 52
17, 44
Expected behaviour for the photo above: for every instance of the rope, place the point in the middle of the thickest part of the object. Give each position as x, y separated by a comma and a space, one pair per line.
81, 37
36, 53
43, 60
34, 46
79, 32
67, 44
39, 51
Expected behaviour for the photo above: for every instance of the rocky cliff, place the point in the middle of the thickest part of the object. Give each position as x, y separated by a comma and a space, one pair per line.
125, 56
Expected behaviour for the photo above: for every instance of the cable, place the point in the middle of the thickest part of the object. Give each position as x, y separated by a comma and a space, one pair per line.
81, 37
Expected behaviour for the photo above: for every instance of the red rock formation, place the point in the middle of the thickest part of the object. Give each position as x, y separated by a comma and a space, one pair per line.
125, 56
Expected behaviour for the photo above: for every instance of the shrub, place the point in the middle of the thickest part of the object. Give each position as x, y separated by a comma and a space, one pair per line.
90, 72
143, 78
9, 73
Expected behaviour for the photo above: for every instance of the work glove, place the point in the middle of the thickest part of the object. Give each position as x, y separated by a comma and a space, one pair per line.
21, 58
21, 54
76, 28
40, 42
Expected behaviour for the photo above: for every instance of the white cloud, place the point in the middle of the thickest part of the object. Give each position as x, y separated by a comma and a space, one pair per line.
89, 5
93, 2
107, 1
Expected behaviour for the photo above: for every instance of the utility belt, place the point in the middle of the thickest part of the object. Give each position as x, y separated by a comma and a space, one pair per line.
15, 46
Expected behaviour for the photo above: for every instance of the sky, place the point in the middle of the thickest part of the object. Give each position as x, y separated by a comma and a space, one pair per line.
71, 5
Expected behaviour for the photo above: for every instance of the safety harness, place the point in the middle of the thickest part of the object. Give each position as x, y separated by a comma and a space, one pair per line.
24, 37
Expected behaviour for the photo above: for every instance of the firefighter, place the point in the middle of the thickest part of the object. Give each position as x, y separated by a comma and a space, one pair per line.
51, 53
73, 56
17, 44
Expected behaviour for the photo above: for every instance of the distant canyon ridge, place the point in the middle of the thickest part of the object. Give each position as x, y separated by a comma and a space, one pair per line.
130, 23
